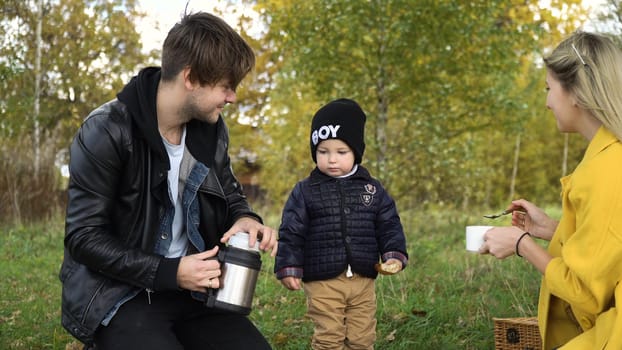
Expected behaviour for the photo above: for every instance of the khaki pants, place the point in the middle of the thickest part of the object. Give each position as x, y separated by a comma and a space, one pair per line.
343, 310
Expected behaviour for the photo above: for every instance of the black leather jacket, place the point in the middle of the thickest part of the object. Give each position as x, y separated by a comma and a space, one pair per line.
116, 196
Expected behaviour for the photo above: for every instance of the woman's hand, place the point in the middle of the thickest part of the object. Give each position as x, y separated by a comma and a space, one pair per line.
532, 219
500, 242
505, 241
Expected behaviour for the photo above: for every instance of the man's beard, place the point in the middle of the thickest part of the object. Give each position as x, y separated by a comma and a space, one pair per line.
191, 110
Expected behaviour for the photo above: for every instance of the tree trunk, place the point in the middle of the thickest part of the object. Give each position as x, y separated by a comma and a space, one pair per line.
37, 127
381, 122
515, 167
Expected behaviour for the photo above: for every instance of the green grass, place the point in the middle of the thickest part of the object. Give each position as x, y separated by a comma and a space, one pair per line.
445, 299
30, 259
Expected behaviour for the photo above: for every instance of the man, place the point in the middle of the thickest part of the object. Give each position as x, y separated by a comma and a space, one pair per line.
152, 198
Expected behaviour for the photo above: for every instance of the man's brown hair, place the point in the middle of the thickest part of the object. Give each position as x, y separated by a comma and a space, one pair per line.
209, 47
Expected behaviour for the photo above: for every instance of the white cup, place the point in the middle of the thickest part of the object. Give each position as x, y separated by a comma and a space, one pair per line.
475, 237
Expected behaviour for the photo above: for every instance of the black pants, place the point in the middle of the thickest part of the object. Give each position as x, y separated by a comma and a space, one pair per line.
174, 321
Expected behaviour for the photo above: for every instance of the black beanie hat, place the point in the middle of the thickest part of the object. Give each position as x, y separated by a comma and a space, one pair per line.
341, 119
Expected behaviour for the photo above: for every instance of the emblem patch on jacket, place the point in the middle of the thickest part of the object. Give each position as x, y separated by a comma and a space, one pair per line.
368, 197
371, 189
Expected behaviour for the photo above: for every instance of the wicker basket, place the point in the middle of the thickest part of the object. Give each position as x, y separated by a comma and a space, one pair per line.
519, 333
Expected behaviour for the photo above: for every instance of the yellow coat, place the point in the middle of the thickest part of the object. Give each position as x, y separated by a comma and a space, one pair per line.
580, 285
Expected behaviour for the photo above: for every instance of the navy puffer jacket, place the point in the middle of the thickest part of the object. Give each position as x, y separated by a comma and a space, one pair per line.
329, 223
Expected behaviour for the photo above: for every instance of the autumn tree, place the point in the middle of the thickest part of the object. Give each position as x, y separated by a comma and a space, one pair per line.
88, 50
247, 117
442, 83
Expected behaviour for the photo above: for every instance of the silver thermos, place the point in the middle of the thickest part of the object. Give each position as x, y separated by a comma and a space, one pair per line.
240, 265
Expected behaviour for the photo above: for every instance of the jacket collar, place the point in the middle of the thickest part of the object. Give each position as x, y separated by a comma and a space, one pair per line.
603, 139
317, 176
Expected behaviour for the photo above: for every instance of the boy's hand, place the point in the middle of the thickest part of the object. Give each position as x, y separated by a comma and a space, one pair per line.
390, 267
291, 283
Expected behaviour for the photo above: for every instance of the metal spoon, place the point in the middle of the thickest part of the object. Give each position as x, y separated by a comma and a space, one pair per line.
494, 216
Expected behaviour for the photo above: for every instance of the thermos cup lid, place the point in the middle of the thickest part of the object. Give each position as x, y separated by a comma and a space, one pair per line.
240, 240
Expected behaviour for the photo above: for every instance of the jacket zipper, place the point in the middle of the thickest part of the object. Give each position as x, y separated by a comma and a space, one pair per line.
344, 226
88, 306
149, 291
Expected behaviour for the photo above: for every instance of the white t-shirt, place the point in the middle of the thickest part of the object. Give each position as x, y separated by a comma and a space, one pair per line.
179, 244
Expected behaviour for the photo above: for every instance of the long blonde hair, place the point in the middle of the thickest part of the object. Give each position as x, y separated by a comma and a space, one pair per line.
589, 65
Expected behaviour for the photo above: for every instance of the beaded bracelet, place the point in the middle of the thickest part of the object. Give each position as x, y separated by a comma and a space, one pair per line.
518, 242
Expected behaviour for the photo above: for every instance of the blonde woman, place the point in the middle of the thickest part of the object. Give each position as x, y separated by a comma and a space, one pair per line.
582, 266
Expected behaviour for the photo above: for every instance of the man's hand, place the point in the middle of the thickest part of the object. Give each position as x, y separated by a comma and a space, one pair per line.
256, 231
197, 272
